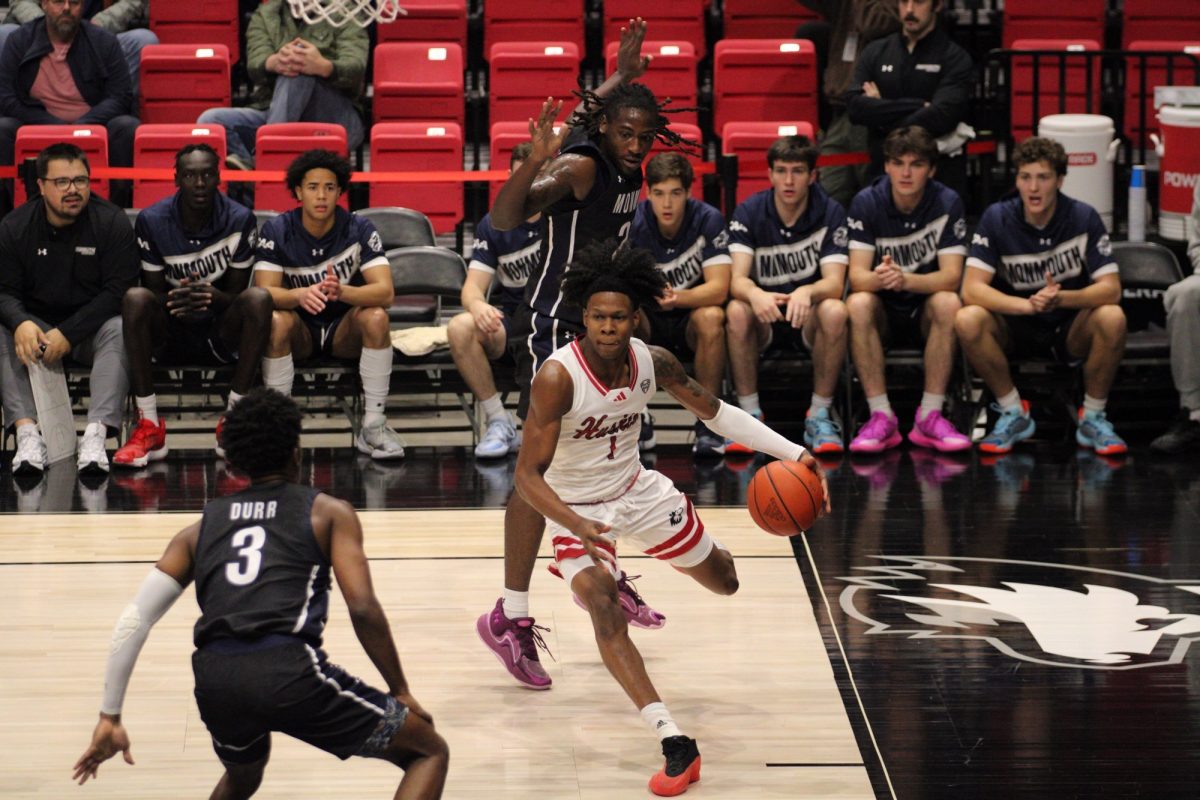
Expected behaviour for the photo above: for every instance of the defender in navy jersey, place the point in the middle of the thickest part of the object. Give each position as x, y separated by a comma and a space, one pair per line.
789, 270
262, 561
691, 247
586, 187
195, 304
501, 261
331, 282
907, 246
1041, 281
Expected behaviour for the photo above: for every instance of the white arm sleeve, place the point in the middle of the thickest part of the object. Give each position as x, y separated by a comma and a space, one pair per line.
157, 594
733, 423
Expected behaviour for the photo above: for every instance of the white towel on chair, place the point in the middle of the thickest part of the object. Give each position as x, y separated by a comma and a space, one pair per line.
420, 341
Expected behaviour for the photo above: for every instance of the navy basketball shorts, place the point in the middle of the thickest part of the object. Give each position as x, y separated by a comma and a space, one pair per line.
194, 343
534, 337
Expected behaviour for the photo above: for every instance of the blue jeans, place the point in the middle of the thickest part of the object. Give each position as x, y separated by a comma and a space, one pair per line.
299, 99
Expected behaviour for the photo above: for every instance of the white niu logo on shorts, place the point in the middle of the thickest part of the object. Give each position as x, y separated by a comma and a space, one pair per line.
1054, 614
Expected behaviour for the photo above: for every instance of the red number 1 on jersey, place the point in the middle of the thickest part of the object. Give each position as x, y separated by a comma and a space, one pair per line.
612, 448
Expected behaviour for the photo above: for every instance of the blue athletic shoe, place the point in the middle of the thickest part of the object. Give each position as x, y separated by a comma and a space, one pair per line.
1096, 432
1012, 427
822, 434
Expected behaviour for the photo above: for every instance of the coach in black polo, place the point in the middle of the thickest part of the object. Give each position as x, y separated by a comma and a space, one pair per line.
917, 76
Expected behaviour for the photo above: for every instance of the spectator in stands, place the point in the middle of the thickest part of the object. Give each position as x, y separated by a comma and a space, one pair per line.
918, 76
839, 38
193, 307
788, 245
481, 333
128, 19
60, 71
1041, 281
301, 73
68, 258
1183, 327
691, 246
908, 241
332, 285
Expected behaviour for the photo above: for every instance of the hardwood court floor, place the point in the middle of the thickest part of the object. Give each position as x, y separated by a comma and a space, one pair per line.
748, 676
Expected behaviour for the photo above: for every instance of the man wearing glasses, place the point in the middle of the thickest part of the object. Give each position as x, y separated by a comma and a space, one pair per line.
68, 258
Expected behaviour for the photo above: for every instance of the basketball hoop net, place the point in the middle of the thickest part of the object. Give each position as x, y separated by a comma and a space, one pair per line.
342, 12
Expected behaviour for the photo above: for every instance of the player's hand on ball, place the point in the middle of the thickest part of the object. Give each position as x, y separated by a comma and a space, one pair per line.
108, 739
807, 460
592, 532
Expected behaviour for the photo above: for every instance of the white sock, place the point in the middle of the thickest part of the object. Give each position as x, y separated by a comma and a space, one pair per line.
493, 408
749, 404
659, 720
1194, 415
279, 374
930, 402
234, 397
880, 402
516, 604
1010, 401
148, 407
818, 402
1092, 404
375, 369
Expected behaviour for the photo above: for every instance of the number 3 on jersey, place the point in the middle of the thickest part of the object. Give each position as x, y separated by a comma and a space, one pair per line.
249, 542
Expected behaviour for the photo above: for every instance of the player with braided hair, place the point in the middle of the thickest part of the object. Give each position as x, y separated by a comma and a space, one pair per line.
579, 467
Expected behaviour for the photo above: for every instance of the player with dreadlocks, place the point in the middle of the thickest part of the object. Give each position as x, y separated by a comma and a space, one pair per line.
584, 179
579, 467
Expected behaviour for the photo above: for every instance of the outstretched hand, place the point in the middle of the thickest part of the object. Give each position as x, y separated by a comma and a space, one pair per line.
108, 739
630, 61
546, 141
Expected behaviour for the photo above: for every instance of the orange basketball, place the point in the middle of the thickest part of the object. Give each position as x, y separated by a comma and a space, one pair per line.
784, 498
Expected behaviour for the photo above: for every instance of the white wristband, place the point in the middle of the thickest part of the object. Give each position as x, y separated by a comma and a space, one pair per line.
733, 423
158, 592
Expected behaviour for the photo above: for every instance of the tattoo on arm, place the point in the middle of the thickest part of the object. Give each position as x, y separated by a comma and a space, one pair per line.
669, 374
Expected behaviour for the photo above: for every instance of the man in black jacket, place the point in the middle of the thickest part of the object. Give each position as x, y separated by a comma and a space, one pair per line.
67, 260
58, 70
917, 76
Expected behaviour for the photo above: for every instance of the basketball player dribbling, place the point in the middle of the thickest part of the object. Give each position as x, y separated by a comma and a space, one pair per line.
579, 467
261, 560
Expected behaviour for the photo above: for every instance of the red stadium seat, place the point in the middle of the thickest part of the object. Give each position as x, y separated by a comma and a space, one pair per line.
666, 21
522, 75
749, 142
428, 21
763, 19
757, 79
419, 81
1180, 70
533, 21
1062, 19
687, 131
672, 75
1054, 96
197, 22
91, 139
1160, 20
277, 145
415, 147
156, 146
181, 81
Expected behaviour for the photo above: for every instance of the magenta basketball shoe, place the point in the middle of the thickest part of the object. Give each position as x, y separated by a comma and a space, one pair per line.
515, 642
636, 612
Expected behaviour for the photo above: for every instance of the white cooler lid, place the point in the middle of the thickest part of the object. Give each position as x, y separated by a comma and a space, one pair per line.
1075, 123
1183, 117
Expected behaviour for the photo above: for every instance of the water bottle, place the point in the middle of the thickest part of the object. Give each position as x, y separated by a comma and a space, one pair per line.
1137, 204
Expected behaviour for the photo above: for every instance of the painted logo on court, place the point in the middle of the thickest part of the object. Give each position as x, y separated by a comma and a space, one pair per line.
1053, 614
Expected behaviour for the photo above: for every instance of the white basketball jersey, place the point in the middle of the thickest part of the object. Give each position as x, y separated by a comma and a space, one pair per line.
597, 454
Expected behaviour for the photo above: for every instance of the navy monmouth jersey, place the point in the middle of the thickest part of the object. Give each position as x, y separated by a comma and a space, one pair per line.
259, 569
786, 258
937, 226
226, 243
509, 256
570, 224
1073, 247
702, 242
351, 246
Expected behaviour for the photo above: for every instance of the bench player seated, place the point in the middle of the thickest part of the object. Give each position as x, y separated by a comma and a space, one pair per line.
788, 245
907, 247
479, 335
691, 246
332, 285
195, 305
579, 467
1041, 281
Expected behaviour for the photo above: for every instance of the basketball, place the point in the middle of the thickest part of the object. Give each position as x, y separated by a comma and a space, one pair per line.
784, 498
